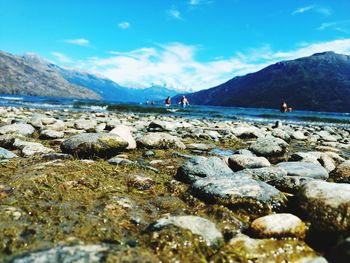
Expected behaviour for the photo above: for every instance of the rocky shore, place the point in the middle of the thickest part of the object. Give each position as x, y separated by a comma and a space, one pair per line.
121, 187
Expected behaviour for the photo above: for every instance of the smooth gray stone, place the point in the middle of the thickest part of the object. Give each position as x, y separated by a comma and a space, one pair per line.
198, 167
304, 169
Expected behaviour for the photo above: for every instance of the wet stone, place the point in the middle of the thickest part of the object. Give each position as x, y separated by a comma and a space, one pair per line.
197, 225
303, 169
94, 144
237, 192
326, 205
239, 162
278, 225
199, 167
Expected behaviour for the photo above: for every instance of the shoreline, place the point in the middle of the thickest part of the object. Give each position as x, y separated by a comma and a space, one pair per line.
109, 185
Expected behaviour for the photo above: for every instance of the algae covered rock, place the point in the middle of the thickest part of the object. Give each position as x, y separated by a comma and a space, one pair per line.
79, 253
160, 140
94, 144
326, 205
266, 174
304, 169
51, 134
240, 192
278, 225
200, 167
239, 162
242, 248
342, 173
124, 132
197, 225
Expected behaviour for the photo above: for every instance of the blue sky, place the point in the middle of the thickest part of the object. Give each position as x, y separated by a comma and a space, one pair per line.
185, 44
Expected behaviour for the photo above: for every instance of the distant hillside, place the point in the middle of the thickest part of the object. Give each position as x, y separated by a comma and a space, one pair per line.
34, 76
320, 82
110, 90
30, 75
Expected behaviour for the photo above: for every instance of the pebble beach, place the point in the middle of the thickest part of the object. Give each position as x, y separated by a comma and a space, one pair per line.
128, 187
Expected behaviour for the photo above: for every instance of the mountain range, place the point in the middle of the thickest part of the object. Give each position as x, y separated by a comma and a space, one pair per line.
320, 82
34, 76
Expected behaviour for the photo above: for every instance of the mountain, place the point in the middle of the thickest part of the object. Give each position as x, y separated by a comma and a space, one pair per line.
320, 82
33, 76
112, 91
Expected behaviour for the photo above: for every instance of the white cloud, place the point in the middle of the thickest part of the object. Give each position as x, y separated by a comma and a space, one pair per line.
199, 2
303, 9
341, 26
61, 57
321, 10
124, 25
175, 64
174, 13
78, 41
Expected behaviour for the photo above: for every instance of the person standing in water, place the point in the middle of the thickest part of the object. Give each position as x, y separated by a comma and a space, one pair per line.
167, 102
184, 102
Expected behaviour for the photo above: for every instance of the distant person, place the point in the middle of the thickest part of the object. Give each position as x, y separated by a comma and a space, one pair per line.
147, 102
167, 102
284, 107
153, 102
184, 102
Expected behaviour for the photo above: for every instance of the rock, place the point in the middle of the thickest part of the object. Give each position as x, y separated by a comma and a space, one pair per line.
7, 140
157, 125
57, 156
342, 173
221, 152
31, 148
10, 213
326, 205
200, 146
160, 140
326, 136
299, 135
278, 225
57, 126
124, 132
79, 253
307, 157
242, 248
239, 162
94, 144
246, 132
120, 161
100, 127
148, 154
237, 192
197, 225
5, 154
140, 182
327, 162
213, 135
51, 134
279, 133
17, 128
86, 125
289, 184
199, 167
267, 174
315, 171
269, 147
